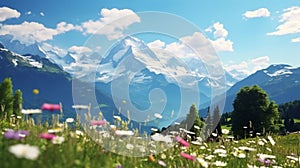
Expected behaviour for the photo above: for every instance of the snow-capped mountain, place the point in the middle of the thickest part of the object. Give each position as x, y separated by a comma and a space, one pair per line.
132, 65
281, 82
280, 70
22, 49
30, 72
184, 72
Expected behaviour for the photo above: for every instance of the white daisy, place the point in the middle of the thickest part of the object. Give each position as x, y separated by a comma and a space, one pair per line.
25, 151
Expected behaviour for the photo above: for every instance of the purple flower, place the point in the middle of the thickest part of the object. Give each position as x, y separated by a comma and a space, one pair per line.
261, 160
19, 135
23, 132
268, 162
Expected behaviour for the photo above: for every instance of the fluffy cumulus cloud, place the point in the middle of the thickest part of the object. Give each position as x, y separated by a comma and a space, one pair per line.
80, 49
245, 68
157, 44
195, 45
222, 44
112, 23
31, 32
261, 12
289, 22
63, 27
220, 41
7, 13
296, 40
195, 48
220, 31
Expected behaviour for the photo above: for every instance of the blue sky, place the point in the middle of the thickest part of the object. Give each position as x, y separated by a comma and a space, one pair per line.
248, 35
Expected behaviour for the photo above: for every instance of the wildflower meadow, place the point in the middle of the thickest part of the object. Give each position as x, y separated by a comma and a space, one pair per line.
26, 143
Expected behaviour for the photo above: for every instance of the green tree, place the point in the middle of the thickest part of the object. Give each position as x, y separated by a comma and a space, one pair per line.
6, 96
17, 103
216, 121
197, 124
252, 106
208, 124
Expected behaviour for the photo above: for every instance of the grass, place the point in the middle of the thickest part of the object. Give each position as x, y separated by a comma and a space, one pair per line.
80, 150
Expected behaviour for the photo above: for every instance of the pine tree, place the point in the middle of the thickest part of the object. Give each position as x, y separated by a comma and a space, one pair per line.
197, 124
208, 124
17, 103
216, 121
6, 96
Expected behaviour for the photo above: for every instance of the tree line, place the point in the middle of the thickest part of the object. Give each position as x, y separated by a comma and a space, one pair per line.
10, 100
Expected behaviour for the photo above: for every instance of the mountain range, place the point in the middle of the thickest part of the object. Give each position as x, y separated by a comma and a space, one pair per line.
29, 72
281, 82
130, 64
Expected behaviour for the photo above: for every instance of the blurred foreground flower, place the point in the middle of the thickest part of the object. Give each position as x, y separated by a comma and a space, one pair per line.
124, 133
118, 118
58, 140
55, 130
70, 120
182, 141
25, 151
162, 163
202, 162
80, 107
31, 111
98, 123
187, 156
151, 158
35, 91
19, 135
271, 140
225, 131
220, 164
161, 138
47, 136
51, 107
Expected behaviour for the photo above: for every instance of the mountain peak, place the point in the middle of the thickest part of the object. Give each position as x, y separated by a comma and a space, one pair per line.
278, 70
20, 48
278, 66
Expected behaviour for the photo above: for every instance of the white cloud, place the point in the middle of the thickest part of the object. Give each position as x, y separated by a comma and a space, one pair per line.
261, 12
248, 67
296, 40
111, 23
194, 47
80, 49
261, 61
156, 44
221, 44
7, 13
28, 13
63, 27
31, 32
220, 31
290, 22
42, 13
209, 30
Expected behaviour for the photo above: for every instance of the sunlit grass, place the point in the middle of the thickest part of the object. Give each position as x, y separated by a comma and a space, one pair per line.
78, 150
